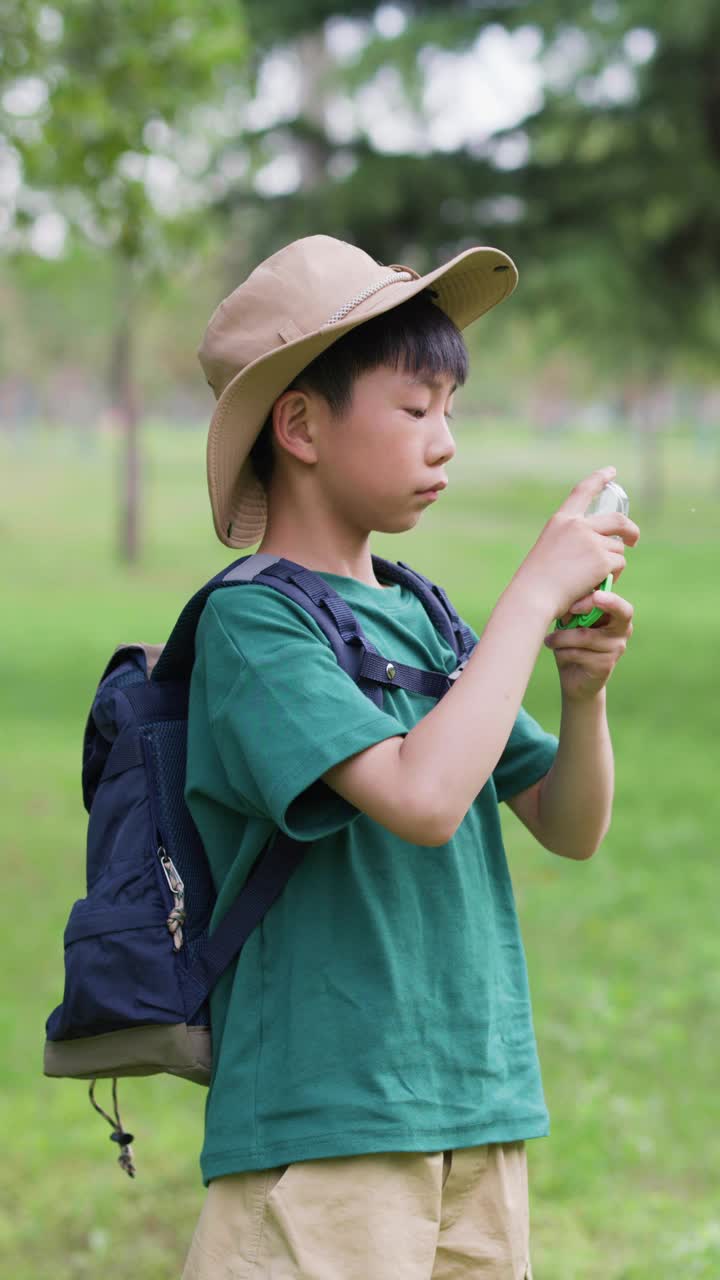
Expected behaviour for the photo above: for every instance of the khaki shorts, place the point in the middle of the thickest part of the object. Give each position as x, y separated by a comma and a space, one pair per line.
391, 1216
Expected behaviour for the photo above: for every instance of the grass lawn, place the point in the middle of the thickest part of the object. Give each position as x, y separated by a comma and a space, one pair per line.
623, 951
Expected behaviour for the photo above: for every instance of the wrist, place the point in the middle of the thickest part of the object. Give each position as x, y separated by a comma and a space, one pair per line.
530, 602
589, 705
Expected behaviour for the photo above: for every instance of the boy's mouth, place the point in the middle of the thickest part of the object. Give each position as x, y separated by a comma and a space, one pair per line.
434, 490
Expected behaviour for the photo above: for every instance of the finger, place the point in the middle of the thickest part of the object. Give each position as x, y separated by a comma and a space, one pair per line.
619, 610
583, 640
580, 606
595, 600
593, 664
578, 501
599, 638
616, 525
616, 563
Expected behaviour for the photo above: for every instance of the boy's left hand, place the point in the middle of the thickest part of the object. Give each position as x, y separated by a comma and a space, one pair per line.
586, 656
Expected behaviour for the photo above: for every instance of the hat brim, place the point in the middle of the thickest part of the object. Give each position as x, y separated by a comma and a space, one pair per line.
466, 287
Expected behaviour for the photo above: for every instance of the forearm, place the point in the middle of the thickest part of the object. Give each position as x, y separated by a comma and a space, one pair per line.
421, 785
575, 799
449, 755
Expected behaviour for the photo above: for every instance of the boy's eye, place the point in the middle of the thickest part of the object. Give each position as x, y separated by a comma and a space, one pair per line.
421, 413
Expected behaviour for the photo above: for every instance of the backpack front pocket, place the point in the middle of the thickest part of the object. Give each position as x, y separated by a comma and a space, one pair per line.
120, 962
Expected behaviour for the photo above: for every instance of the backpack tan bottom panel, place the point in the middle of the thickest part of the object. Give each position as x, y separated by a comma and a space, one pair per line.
176, 1049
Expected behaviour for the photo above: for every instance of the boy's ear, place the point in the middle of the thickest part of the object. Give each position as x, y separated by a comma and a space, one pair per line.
293, 425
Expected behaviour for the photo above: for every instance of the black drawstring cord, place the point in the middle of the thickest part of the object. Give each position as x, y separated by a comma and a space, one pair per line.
125, 1159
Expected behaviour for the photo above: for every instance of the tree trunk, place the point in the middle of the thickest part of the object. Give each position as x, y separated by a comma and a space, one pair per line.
126, 412
314, 63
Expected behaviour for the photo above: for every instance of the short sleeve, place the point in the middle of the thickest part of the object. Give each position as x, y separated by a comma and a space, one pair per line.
281, 709
528, 755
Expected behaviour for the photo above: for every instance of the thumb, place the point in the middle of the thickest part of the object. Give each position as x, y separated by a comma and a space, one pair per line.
579, 499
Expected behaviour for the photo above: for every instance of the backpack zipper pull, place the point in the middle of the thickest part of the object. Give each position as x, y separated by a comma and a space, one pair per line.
176, 919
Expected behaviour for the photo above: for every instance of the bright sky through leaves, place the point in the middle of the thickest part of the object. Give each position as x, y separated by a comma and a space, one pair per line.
467, 97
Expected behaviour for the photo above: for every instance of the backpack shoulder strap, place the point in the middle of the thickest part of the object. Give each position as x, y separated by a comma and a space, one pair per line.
356, 655
334, 617
283, 854
268, 877
176, 660
441, 612
354, 652
332, 614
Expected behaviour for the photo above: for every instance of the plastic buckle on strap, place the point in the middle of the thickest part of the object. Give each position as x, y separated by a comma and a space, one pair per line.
453, 675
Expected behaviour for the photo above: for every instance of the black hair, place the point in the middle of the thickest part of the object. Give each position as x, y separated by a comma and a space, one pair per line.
416, 336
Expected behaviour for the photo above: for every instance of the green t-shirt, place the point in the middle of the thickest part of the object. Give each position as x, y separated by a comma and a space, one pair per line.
382, 1004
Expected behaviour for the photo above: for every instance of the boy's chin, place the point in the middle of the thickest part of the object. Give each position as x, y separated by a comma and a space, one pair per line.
399, 523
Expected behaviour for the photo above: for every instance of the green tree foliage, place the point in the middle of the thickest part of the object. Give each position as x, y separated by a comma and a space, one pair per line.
95, 94
606, 193
625, 166
615, 202
115, 78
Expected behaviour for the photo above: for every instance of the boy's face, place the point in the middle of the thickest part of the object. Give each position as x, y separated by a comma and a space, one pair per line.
383, 462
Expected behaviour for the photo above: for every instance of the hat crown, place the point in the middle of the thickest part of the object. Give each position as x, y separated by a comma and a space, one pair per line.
291, 294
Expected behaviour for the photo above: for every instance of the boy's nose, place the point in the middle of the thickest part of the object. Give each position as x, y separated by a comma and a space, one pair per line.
442, 447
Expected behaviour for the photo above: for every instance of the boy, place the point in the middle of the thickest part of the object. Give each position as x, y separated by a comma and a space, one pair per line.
375, 1069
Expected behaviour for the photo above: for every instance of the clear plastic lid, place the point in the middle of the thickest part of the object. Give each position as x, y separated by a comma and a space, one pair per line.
610, 499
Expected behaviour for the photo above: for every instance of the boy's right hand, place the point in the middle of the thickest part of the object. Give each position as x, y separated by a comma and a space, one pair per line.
575, 552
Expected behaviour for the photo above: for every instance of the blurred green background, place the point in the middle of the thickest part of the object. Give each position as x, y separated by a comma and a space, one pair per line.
149, 156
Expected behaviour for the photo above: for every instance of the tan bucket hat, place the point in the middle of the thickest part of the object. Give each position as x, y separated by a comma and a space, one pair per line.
290, 309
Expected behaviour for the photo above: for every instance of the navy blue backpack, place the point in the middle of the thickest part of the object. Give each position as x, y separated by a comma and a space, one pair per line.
139, 961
